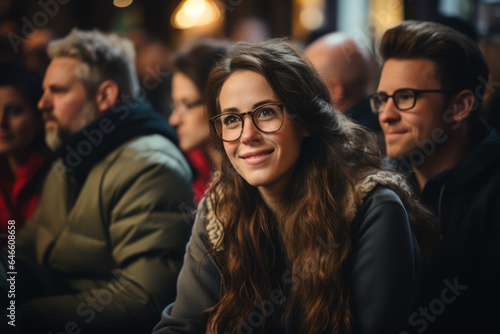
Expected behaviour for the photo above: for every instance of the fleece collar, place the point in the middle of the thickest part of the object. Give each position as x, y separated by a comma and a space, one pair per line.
215, 229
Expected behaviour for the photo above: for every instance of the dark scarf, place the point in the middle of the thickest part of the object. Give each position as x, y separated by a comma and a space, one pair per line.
122, 123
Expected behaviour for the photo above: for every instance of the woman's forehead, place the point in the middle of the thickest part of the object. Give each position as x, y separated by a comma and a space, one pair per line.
243, 89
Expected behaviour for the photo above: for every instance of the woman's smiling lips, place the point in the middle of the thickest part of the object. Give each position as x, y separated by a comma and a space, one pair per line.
256, 157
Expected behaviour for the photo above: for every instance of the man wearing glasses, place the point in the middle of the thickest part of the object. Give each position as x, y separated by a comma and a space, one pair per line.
428, 102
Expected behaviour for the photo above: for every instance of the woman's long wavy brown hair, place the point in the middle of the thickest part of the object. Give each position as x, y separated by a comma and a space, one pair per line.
323, 200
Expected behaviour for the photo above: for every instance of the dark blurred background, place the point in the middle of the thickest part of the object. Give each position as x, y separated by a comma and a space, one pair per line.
173, 20
159, 27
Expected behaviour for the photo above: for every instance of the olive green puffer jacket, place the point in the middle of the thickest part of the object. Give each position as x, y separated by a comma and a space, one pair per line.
118, 239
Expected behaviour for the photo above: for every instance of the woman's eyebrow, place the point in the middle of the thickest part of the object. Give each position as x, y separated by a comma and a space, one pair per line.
256, 105
233, 109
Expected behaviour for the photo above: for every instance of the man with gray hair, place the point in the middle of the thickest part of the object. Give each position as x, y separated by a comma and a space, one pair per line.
347, 67
109, 228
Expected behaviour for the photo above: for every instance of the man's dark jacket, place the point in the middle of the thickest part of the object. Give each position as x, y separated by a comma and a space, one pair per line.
460, 290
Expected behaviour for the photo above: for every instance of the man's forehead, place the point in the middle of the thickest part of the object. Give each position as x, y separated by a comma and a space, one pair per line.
62, 69
406, 71
329, 60
320, 59
412, 64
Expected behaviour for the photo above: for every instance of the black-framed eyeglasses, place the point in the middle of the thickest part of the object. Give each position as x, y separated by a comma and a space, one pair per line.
404, 99
267, 118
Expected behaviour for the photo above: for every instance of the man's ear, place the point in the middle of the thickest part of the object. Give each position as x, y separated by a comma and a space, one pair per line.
106, 95
462, 104
337, 90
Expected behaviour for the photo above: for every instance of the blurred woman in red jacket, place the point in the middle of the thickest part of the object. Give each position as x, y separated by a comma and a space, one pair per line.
192, 64
22, 146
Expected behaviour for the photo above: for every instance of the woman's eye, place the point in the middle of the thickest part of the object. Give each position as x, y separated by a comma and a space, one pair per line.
15, 110
266, 112
230, 120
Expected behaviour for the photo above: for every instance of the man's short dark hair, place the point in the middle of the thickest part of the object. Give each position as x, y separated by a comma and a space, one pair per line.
459, 62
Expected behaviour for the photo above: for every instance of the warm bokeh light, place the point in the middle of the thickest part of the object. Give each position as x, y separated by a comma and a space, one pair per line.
385, 14
311, 17
307, 16
192, 13
122, 3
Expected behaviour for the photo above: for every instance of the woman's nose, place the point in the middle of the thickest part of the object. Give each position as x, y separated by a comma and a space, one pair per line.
250, 132
175, 118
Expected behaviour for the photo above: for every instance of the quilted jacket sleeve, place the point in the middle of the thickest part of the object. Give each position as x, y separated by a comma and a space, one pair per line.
141, 205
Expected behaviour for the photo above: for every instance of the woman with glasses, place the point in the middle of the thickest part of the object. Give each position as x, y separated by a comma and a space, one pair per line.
301, 231
191, 67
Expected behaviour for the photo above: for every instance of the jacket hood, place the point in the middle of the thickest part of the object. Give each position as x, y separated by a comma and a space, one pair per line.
478, 164
122, 123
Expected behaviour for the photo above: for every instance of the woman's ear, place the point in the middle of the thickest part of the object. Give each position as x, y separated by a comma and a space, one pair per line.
461, 105
106, 95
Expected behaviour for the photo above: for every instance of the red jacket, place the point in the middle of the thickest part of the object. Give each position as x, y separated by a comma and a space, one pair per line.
202, 173
19, 194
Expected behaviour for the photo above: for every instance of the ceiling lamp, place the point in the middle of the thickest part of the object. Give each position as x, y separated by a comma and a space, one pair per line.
122, 3
192, 13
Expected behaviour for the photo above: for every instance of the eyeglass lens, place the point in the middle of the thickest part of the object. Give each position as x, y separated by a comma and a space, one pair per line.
403, 99
267, 118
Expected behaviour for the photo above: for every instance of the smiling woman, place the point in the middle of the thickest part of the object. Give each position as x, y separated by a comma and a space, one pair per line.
302, 230
264, 159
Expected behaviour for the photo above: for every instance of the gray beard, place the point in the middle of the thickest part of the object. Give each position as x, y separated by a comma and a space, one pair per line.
53, 139
55, 136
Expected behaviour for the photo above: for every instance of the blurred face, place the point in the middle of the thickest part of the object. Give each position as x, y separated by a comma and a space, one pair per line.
404, 129
18, 123
65, 105
188, 117
264, 160
323, 61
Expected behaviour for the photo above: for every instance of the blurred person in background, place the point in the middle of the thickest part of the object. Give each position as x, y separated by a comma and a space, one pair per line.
154, 72
22, 146
250, 29
102, 251
192, 64
34, 50
347, 68
490, 46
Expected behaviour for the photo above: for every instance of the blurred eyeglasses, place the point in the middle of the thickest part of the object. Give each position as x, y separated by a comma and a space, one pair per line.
185, 107
404, 99
267, 118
